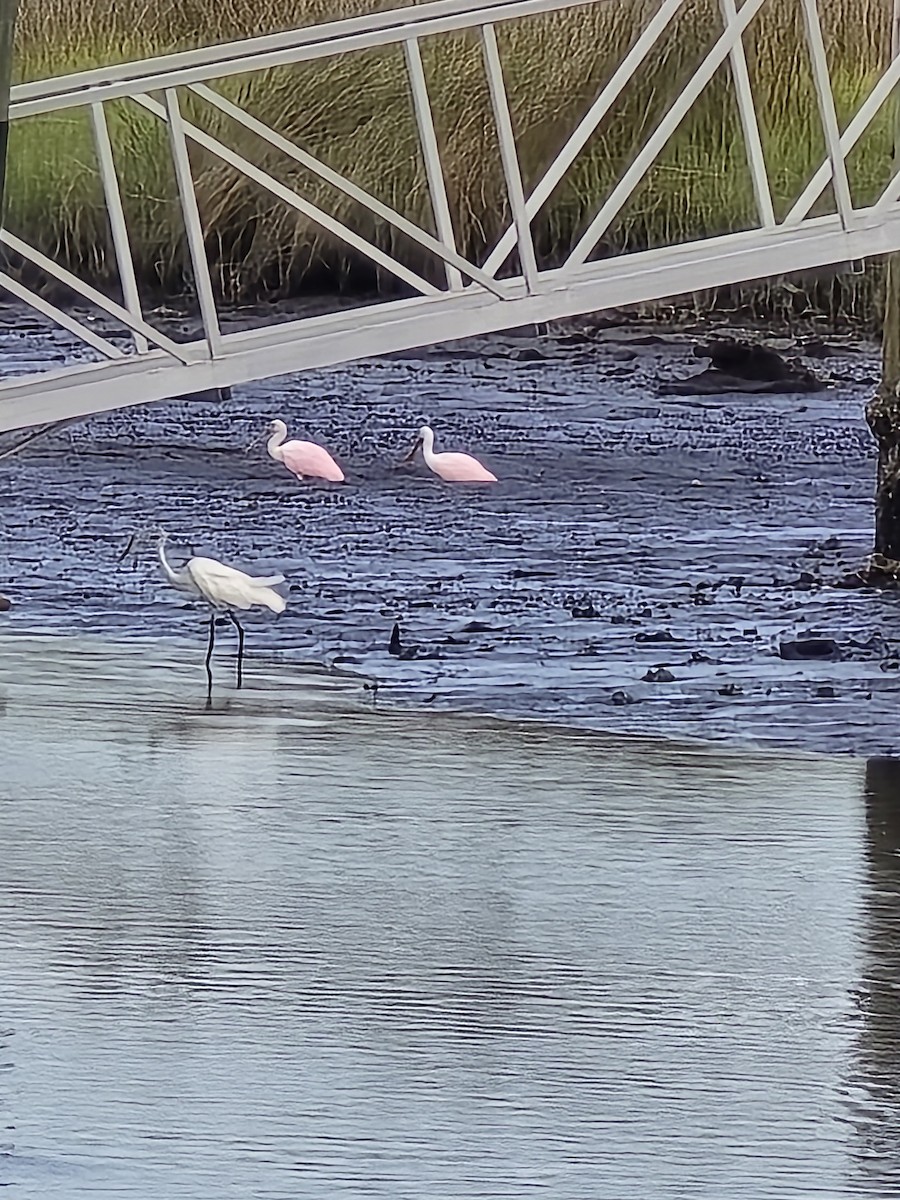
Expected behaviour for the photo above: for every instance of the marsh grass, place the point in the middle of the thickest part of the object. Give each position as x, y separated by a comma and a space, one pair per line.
355, 113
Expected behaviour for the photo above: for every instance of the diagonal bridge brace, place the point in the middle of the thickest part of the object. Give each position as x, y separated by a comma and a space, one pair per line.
59, 317
290, 197
449, 254
312, 211
132, 322
652, 148
870, 108
582, 133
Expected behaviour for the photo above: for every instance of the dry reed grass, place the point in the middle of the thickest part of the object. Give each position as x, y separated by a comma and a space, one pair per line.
355, 113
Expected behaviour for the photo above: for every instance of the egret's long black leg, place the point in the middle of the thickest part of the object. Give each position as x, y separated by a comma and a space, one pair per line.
240, 663
209, 650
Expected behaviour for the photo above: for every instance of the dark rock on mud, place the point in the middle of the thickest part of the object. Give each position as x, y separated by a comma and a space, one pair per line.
806, 579
852, 580
747, 361
659, 675
737, 367
814, 348
806, 649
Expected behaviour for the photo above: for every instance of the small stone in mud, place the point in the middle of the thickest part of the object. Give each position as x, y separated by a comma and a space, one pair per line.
851, 580
805, 580
649, 339
825, 692
659, 675
804, 649
817, 349
659, 635
619, 698
394, 646
5, 604
585, 612
477, 627
730, 689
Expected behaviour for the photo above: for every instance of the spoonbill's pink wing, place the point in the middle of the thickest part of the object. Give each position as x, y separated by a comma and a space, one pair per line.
462, 468
306, 458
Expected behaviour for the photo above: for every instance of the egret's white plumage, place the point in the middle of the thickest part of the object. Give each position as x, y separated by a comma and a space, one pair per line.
224, 589
221, 586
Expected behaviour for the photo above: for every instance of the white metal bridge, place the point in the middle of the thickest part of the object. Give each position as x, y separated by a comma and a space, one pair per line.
508, 286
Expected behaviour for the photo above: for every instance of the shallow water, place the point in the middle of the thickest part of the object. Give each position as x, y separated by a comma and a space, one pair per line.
298, 947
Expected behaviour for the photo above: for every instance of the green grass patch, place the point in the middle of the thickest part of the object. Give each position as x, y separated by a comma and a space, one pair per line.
355, 113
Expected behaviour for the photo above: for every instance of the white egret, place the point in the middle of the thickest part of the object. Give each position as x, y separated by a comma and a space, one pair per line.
223, 588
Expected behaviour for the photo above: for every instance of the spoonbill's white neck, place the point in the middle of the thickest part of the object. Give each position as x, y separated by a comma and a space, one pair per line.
276, 438
427, 436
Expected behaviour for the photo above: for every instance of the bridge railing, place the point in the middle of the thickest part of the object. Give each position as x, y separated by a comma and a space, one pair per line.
508, 284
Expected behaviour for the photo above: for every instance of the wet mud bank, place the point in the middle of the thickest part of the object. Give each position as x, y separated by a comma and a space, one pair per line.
650, 561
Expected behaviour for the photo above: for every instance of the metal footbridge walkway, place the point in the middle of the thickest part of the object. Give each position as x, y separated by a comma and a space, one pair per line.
509, 285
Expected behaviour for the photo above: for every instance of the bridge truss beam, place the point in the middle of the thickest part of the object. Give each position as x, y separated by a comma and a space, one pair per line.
461, 297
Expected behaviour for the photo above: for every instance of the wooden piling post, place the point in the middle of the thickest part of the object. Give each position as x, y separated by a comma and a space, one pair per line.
9, 10
883, 410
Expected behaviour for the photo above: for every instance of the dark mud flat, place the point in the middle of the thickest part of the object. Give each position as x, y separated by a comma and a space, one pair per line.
631, 535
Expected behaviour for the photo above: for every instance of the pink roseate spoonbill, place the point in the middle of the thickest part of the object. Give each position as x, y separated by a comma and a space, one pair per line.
221, 587
306, 460
451, 467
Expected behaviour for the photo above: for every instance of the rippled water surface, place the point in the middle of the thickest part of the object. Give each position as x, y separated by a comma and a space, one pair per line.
295, 947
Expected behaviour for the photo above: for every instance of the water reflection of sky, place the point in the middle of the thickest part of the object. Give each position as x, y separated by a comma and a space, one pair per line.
298, 948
